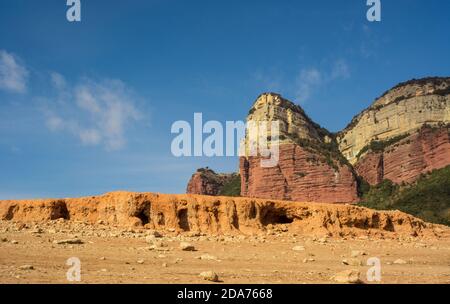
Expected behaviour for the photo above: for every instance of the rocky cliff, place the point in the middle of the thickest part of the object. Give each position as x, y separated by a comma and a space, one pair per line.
207, 182
310, 166
403, 134
219, 215
406, 159
402, 110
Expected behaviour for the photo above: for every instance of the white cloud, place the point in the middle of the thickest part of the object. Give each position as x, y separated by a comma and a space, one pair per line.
13, 75
312, 79
340, 70
97, 113
58, 80
308, 80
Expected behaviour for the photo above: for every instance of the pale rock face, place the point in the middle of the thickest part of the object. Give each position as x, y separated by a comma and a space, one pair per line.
307, 169
293, 120
404, 109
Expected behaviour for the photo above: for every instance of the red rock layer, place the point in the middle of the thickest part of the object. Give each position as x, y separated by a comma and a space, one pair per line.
426, 150
207, 182
300, 175
199, 184
220, 215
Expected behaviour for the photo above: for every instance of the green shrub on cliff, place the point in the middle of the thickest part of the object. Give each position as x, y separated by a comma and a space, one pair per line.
232, 187
381, 145
428, 198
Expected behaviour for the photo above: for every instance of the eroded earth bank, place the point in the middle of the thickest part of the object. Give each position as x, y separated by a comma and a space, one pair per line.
126, 237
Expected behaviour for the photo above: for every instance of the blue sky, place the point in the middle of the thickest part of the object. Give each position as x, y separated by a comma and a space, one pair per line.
161, 61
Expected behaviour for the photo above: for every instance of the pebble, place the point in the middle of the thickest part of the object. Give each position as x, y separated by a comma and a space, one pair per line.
298, 248
187, 246
348, 277
210, 276
26, 267
207, 257
352, 262
357, 253
68, 241
400, 262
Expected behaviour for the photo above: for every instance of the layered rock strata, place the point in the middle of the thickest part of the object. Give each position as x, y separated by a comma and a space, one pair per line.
219, 215
207, 182
310, 166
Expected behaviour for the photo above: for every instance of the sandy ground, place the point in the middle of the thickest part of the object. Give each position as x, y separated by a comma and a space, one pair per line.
114, 255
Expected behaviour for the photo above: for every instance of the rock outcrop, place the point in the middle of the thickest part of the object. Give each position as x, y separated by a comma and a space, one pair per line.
402, 110
219, 215
405, 160
207, 182
310, 166
403, 134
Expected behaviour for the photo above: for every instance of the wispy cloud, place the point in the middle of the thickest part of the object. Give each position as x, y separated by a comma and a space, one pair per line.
270, 81
312, 79
96, 112
13, 74
308, 80
340, 70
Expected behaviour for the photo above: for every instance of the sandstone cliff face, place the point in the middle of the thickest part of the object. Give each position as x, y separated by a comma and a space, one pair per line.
310, 167
219, 215
300, 175
207, 182
425, 150
403, 109
315, 165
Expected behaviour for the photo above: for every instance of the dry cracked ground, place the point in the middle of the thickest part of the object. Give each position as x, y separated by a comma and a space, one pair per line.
31, 253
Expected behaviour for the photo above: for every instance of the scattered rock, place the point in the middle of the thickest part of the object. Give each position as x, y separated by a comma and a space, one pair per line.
357, 253
14, 242
298, 248
400, 262
140, 261
154, 233
37, 231
352, 262
68, 241
322, 240
102, 258
308, 260
210, 276
348, 277
26, 267
208, 257
187, 246
157, 243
